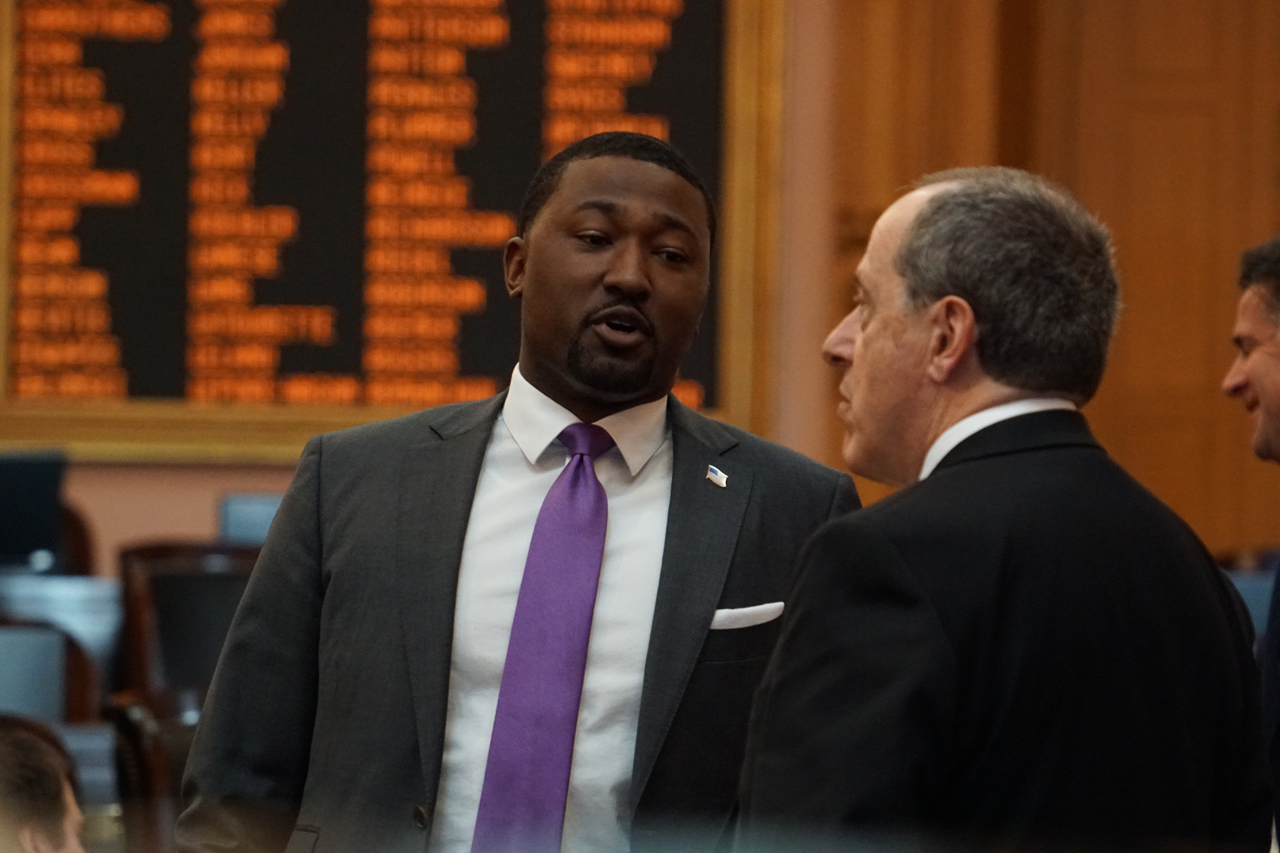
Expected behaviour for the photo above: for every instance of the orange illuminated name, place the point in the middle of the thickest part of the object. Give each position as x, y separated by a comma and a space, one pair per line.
310, 323
459, 294
315, 389
394, 58
472, 30
69, 84
396, 391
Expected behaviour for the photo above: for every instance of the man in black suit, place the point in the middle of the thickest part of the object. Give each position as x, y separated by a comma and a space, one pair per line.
1022, 645
357, 693
1254, 380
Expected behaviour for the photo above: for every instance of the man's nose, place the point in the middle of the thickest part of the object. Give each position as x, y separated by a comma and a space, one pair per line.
627, 270
837, 349
1233, 382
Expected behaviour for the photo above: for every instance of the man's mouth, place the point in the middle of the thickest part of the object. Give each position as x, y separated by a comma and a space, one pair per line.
622, 326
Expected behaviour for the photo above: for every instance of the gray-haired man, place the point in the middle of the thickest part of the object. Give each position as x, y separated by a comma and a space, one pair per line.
1022, 645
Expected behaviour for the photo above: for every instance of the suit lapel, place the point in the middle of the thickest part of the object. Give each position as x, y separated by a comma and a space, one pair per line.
702, 531
437, 484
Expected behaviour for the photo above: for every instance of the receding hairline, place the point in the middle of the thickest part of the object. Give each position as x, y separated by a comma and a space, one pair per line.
929, 192
951, 181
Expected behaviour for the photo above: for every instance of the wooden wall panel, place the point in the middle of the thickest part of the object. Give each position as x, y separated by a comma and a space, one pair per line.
1164, 117
918, 92
1161, 140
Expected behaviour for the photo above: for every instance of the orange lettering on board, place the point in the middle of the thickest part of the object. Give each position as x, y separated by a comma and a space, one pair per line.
62, 344
422, 109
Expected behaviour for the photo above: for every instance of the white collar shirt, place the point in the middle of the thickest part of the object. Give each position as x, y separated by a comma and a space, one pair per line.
522, 461
978, 421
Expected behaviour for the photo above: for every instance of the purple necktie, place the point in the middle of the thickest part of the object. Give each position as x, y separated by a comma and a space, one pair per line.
526, 779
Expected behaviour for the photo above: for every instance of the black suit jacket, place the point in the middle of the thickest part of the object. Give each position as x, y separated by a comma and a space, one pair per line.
1026, 646
324, 728
1269, 664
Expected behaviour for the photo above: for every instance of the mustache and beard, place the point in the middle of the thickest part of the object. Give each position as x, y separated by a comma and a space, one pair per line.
603, 371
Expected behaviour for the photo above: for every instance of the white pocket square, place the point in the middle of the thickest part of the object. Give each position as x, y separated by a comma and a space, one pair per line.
745, 617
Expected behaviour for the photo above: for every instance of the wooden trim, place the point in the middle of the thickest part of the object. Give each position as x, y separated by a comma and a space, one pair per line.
177, 431
756, 36
8, 62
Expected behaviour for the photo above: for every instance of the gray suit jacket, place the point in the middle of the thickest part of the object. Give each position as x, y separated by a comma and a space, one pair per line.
324, 727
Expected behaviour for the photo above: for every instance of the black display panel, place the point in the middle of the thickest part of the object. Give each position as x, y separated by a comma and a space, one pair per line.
287, 203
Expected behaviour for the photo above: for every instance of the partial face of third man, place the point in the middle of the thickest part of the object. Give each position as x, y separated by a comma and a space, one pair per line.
1254, 376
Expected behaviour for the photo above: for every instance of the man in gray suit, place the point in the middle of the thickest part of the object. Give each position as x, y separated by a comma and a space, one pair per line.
367, 696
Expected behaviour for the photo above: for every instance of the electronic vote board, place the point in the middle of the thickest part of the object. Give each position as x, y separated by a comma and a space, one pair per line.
249, 202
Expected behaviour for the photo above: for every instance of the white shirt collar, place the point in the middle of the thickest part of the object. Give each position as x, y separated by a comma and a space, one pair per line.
535, 420
966, 427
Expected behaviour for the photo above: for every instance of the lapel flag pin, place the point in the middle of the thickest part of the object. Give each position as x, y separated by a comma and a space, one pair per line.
717, 476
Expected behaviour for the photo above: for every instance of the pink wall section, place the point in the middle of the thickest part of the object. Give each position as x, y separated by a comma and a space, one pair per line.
127, 504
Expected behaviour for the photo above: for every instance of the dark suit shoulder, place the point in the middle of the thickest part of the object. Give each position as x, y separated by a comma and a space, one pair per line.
415, 428
1075, 644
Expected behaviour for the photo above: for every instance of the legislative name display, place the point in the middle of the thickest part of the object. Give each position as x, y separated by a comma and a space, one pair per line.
248, 203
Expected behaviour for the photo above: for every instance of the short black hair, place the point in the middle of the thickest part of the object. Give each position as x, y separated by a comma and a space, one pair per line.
1261, 266
34, 767
615, 143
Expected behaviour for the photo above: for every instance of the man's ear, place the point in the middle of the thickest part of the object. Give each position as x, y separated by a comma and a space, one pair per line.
32, 839
953, 337
513, 263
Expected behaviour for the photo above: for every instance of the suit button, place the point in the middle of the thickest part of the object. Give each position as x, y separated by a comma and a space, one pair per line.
420, 817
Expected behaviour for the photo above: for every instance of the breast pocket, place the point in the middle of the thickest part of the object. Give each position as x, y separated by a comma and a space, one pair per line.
740, 644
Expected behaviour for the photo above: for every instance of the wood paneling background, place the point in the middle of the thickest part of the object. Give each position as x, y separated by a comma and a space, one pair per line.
1163, 116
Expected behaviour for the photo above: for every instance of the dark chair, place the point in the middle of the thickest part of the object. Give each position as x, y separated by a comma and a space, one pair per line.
179, 601
155, 736
87, 608
75, 543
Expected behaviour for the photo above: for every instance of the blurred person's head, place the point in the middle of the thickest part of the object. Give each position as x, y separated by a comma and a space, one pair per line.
1254, 375
38, 809
979, 287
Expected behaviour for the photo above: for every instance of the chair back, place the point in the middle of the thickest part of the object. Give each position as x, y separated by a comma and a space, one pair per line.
32, 667
155, 737
87, 608
72, 675
180, 600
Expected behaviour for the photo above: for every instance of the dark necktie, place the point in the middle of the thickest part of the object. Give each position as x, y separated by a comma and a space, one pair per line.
526, 779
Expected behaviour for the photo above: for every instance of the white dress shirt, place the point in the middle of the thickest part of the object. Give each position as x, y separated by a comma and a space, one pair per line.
522, 461
965, 427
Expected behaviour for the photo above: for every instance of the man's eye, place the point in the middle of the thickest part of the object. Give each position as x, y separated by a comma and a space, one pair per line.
674, 256
593, 238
